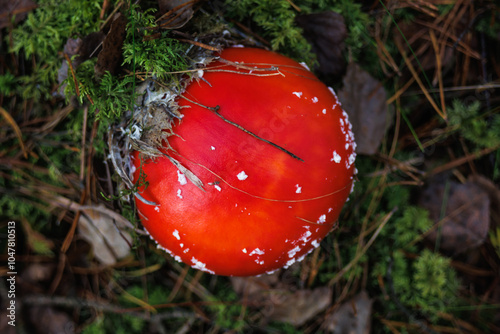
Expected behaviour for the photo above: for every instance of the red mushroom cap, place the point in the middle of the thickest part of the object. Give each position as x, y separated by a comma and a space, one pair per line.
275, 153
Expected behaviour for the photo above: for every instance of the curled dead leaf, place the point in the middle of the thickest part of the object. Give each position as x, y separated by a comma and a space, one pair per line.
279, 301
108, 241
466, 207
364, 99
352, 317
326, 32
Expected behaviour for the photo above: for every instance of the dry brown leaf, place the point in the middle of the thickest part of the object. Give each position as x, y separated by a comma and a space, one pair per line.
18, 8
48, 320
494, 194
465, 222
300, 306
353, 316
175, 13
364, 99
109, 59
326, 32
108, 242
279, 302
38, 272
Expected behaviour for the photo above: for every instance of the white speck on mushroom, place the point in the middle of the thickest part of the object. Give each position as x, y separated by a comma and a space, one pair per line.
244, 250
289, 263
164, 249
177, 258
303, 256
315, 243
350, 160
181, 178
333, 93
336, 157
323, 111
257, 251
298, 189
200, 73
186, 250
157, 208
322, 219
179, 193
175, 233
182, 245
291, 253
298, 94
314, 99
304, 65
212, 148
330, 210
217, 187
200, 265
242, 175
305, 236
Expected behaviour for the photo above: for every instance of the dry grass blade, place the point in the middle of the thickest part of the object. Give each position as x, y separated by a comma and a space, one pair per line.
16, 129
419, 81
70, 64
360, 253
460, 161
438, 72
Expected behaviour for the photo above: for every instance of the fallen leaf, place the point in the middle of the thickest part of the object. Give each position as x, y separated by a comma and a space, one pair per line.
38, 272
465, 222
326, 32
300, 306
493, 193
175, 13
352, 317
364, 99
279, 301
100, 230
18, 8
47, 320
109, 59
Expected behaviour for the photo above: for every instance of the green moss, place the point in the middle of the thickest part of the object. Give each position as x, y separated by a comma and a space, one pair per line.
275, 21
479, 127
41, 38
157, 56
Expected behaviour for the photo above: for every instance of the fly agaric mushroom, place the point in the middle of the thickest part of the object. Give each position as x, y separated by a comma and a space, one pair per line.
275, 153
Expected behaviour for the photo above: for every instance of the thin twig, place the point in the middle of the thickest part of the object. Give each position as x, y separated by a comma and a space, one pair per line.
345, 269
77, 303
216, 111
